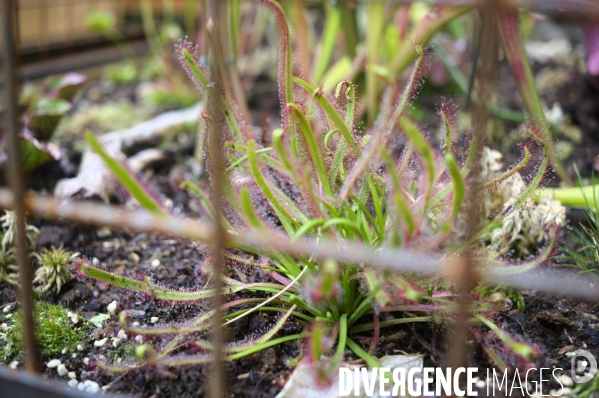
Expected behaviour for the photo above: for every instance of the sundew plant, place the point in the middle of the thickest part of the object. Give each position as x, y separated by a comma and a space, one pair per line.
319, 178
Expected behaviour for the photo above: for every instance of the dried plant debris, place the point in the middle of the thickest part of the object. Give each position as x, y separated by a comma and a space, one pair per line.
95, 179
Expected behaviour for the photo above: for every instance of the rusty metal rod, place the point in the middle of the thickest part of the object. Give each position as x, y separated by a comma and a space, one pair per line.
16, 179
548, 280
216, 168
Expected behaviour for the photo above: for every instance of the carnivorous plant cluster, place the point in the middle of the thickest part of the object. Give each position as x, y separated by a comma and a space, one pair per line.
319, 177
54, 269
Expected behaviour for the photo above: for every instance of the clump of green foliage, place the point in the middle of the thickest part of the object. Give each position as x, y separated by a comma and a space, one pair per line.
9, 268
55, 332
587, 390
348, 190
54, 269
581, 249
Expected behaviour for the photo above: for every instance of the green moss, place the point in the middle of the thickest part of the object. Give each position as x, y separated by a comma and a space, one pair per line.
55, 332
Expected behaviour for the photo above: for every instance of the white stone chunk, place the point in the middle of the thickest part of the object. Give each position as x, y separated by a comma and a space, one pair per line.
111, 308
62, 370
53, 363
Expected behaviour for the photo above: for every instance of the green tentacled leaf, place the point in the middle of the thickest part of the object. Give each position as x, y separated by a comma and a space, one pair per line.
125, 177
310, 146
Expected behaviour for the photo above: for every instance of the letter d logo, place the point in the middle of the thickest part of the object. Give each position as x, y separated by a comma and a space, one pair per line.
579, 366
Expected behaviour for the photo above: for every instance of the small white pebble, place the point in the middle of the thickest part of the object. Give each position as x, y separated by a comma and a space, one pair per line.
95, 261
121, 335
75, 318
154, 319
139, 339
80, 387
69, 314
111, 308
100, 343
80, 347
481, 384
86, 360
566, 391
155, 263
64, 350
8, 316
53, 363
565, 380
119, 360
101, 357
93, 388
115, 342
14, 364
62, 370
104, 233
72, 375
73, 383
135, 324
4, 326
7, 308
73, 355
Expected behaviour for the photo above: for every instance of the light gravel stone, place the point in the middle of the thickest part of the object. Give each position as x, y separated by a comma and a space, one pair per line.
72, 375
100, 343
80, 347
139, 339
121, 335
73, 383
111, 308
154, 319
565, 380
14, 364
53, 363
91, 386
62, 370
86, 361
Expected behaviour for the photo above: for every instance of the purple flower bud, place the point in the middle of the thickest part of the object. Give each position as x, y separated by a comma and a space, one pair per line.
591, 46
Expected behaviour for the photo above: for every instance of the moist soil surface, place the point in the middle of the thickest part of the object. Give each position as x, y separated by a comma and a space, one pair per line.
554, 325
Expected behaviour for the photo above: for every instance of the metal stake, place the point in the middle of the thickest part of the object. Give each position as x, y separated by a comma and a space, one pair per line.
16, 179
